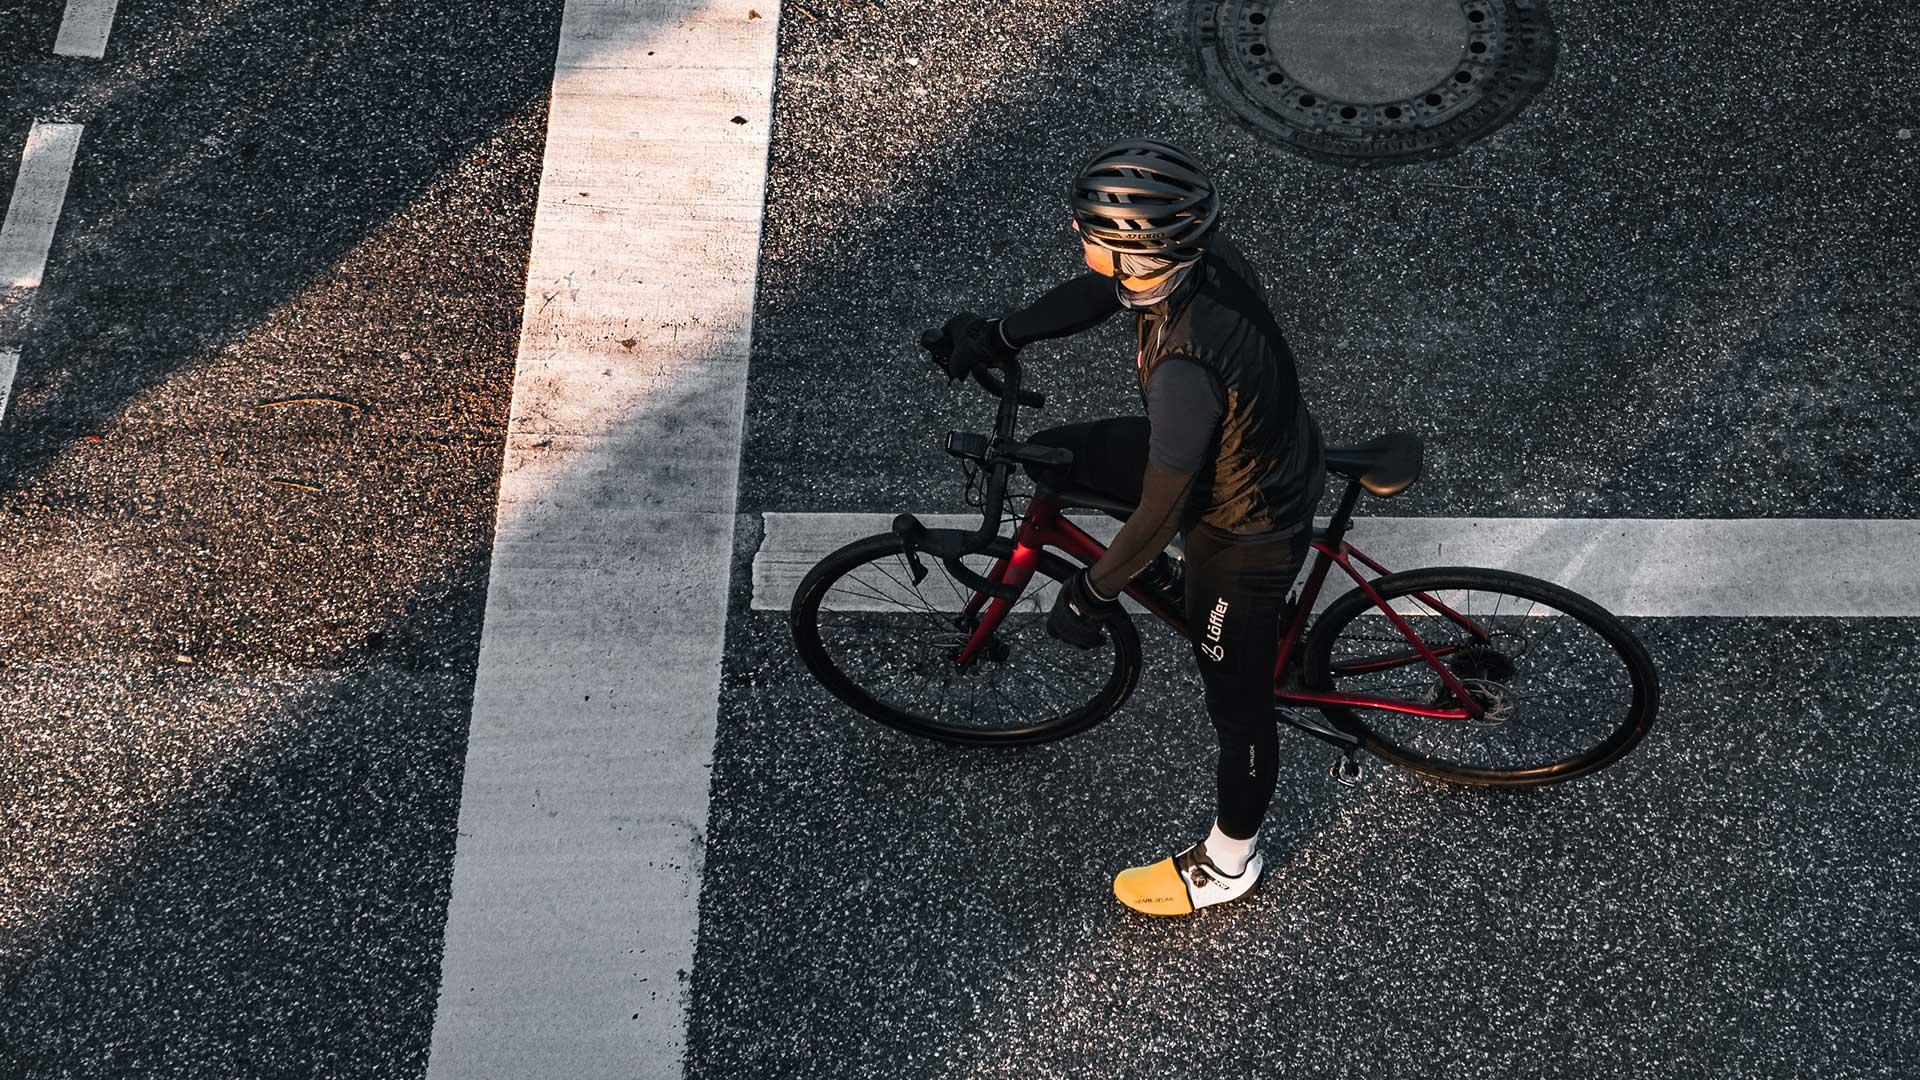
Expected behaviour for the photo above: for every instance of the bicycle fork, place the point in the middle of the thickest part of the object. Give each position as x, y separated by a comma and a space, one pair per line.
1015, 570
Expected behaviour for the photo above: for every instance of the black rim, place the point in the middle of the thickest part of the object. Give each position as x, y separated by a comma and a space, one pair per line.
884, 645
1567, 688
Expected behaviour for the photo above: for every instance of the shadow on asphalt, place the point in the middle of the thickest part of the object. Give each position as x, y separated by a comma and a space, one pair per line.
288, 919
242, 865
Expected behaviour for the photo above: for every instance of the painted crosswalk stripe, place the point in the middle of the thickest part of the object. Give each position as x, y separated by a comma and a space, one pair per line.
583, 808
9, 363
39, 191
84, 28
1655, 567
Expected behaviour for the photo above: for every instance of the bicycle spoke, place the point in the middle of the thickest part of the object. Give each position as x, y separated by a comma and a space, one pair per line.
898, 641
923, 610
952, 585
921, 605
1061, 695
1042, 683
876, 596
953, 635
961, 597
996, 688
1535, 672
914, 589
1550, 682
1534, 640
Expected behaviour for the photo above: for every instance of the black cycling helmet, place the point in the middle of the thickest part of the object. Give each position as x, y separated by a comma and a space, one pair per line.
1145, 197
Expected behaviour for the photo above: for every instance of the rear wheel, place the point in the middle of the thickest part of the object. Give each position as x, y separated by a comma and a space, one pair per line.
887, 645
1566, 688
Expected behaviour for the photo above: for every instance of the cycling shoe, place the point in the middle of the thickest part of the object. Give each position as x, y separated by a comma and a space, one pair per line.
1184, 883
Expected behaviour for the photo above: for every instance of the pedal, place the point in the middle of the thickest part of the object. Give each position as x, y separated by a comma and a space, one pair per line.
1347, 771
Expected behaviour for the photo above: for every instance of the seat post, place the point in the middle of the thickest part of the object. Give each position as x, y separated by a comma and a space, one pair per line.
1343, 516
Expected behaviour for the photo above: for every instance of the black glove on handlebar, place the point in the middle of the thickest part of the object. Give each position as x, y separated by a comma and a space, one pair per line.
975, 342
1077, 613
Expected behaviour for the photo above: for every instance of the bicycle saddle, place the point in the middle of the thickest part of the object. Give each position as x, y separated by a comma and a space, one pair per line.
1386, 466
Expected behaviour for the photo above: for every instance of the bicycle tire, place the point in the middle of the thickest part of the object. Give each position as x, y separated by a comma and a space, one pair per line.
1632, 728
804, 621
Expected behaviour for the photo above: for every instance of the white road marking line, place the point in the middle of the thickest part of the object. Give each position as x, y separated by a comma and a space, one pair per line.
1738, 567
576, 878
9, 364
38, 194
84, 28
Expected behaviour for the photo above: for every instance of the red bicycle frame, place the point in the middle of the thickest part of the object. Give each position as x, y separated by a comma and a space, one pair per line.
1044, 526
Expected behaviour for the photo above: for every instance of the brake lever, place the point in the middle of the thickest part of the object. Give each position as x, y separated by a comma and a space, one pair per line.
940, 347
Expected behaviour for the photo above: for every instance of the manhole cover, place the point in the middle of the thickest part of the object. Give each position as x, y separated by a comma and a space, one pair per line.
1375, 82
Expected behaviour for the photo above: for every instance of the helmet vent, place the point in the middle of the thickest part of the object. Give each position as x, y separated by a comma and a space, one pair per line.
1145, 197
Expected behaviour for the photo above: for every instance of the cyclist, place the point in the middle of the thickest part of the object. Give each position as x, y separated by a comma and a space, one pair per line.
1227, 456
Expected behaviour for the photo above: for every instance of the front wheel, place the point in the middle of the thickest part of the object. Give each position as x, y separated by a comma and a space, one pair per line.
886, 641
1564, 688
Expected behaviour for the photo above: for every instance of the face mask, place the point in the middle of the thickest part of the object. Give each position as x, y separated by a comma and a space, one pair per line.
1158, 292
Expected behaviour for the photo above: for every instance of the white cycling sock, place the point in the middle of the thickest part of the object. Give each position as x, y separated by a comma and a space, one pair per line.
1228, 854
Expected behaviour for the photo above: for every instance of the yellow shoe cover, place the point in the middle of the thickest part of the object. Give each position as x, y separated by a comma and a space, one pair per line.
1179, 885
1154, 890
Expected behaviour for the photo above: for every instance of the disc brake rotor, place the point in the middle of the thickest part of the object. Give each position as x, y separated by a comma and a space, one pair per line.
1484, 672
997, 649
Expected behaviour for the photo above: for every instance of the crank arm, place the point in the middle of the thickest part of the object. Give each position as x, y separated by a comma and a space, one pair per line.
1314, 725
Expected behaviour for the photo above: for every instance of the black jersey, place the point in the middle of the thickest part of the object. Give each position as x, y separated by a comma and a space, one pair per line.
1265, 472
1268, 466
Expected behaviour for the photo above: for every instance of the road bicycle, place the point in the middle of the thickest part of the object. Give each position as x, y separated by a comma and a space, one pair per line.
1463, 674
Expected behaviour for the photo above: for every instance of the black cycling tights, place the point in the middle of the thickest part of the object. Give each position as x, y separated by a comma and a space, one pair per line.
1235, 596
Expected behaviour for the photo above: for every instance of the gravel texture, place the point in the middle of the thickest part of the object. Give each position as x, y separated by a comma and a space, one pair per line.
1732, 900
1678, 284
1675, 285
246, 500
246, 487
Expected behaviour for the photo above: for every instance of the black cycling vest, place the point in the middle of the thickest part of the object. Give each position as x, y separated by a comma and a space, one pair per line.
1268, 467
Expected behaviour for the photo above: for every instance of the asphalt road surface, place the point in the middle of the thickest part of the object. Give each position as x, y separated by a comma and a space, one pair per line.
1680, 284
246, 489
239, 636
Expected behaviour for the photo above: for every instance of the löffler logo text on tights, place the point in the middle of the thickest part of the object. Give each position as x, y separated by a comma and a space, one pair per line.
1216, 622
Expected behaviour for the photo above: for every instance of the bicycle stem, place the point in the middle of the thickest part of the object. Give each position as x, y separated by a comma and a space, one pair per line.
949, 545
1006, 421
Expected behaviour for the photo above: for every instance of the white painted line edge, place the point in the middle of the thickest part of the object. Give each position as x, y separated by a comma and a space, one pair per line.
1653, 567
576, 879
9, 366
84, 29
39, 192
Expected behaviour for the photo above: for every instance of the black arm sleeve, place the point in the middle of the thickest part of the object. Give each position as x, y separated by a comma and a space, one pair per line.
1080, 304
1146, 534
1184, 407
